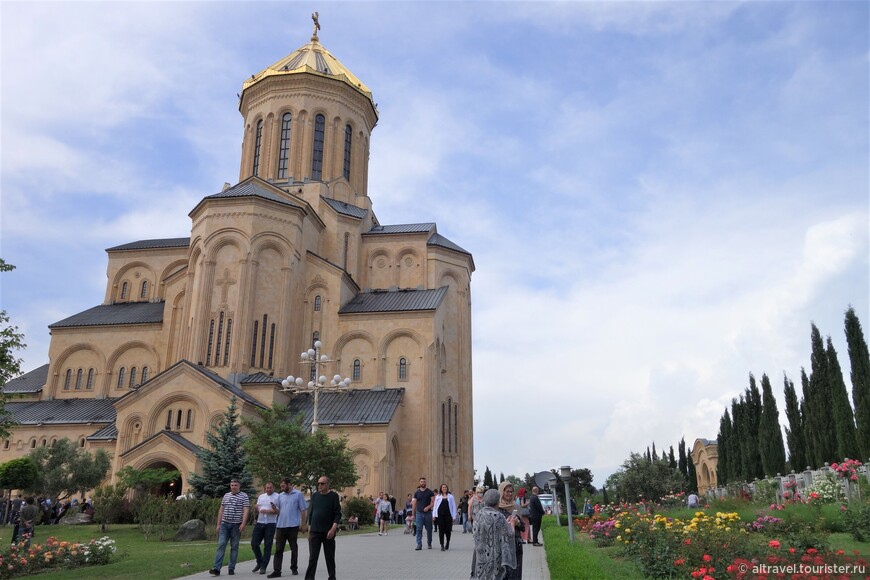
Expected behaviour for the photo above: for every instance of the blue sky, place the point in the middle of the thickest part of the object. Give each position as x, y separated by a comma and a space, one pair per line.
659, 197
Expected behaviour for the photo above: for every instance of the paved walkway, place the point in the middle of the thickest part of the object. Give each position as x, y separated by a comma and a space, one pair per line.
392, 557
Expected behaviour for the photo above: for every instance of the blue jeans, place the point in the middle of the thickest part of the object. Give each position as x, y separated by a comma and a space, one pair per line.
424, 519
263, 533
229, 532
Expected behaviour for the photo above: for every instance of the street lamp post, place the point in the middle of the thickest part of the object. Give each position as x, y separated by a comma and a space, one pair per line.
566, 475
317, 361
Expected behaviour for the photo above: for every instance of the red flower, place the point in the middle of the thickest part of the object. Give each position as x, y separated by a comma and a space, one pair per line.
688, 541
679, 561
707, 557
774, 544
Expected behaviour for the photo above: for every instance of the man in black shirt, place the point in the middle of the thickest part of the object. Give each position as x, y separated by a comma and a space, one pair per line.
324, 515
536, 514
421, 506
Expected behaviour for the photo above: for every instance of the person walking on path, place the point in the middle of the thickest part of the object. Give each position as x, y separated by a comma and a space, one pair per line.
523, 505
384, 512
462, 510
494, 540
509, 509
264, 528
536, 515
291, 516
445, 511
422, 505
232, 516
324, 515
475, 504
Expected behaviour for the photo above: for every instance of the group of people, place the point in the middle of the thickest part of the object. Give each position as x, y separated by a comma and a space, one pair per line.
26, 513
280, 518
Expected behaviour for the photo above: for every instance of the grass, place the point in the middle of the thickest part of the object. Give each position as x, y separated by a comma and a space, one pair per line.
582, 559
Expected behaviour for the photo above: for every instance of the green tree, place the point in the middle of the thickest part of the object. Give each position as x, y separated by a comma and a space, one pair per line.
639, 479
683, 461
723, 467
224, 459
279, 446
17, 473
808, 422
672, 460
859, 360
794, 433
10, 366
488, 482
844, 420
770, 433
65, 469
819, 408
693, 477
751, 450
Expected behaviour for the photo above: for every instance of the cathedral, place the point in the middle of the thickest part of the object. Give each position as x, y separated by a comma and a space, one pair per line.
290, 257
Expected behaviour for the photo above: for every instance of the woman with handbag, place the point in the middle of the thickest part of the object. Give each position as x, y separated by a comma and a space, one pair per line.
523, 507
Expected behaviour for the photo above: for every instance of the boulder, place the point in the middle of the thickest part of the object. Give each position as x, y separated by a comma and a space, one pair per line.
191, 531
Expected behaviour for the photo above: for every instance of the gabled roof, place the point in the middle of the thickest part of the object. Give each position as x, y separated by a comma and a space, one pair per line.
152, 244
402, 229
353, 407
192, 447
251, 187
345, 208
439, 240
29, 382
107, 433
402, 300
112, 314
259, 378
58, 411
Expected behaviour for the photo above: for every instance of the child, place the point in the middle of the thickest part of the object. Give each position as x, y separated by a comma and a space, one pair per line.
409, 523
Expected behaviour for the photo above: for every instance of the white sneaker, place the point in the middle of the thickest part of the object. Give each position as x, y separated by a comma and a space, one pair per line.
380, 533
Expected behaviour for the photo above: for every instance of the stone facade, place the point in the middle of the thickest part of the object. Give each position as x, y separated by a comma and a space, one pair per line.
705, 456
291, 254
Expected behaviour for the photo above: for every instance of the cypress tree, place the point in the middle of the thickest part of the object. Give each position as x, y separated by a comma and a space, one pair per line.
723, 471
753, 406
655, 456
769, 432
682, 462
844, 421
693, 479
859, 360
223, 459
735, 449
809, 423
488, 482
672, 461
824, 430
648, 455
795, 432
604, 499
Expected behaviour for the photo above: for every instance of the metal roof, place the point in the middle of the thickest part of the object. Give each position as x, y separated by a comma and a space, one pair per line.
401, 300
119, 313
402, 229
439, 240
260, 378
251, 188
192, 447
223, 383
151, 244
58, 411
29, 382
345, 208
107, 433
352, 407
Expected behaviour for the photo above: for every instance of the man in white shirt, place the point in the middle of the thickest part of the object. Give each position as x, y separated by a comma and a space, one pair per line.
264, 529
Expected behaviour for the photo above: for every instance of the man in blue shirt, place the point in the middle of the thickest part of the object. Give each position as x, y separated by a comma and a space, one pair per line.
291, 516
422, 504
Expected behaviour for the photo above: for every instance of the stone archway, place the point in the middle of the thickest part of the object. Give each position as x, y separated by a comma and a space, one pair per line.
169, 488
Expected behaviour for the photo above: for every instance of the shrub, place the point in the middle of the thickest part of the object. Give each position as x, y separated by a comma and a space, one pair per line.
765, 492
361, 508
856, 520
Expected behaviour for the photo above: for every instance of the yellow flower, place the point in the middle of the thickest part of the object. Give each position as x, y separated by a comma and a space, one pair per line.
618, 538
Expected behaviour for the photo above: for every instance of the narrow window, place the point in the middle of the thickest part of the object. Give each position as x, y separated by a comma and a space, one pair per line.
284, 151
33, 444
346, 244
254, 346
144, 292
317, 152
79, 375
132, 377
90, 384
189, 419
347, 138
314, 338
210, 340
263, 341
220, 332
257, 142
403, 369
271, 345
122, 377
81, 442
145, 375
125, 287
357, 369
43, 442
449, 427
317, 303
227, 346
67, 381
178, 420
169, 420
456, 427
6, 444
443, 427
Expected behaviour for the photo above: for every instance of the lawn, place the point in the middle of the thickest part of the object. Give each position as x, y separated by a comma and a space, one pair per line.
583, 560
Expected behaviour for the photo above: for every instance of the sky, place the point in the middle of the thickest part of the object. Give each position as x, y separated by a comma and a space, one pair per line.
659, 197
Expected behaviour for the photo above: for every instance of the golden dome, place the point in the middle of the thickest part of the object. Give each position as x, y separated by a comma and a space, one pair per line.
312, 58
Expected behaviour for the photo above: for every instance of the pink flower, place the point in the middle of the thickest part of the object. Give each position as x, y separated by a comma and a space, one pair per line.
707, 557
774, 544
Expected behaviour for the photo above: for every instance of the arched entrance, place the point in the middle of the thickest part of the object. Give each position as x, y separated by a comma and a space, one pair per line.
169, 488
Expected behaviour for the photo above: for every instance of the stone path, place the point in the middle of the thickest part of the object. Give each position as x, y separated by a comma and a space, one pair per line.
392, 557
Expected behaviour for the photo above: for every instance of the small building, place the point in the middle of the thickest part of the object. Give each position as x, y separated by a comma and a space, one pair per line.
705, 457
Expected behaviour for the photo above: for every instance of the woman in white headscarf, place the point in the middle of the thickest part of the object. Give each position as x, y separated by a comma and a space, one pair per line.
494, 543
509, 510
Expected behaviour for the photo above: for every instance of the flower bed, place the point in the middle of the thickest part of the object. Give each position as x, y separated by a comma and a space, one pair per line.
21, 560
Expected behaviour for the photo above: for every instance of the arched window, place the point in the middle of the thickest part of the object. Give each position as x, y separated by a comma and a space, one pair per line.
178, 420
132, 377
314, 338
169, 420
122, 376
284, 148
347, 138
220, 332
317, 149
449, 426
456, 427
43, 442
79, 374
33, 444
254, 345
271, 344
227, 346
125, 289
145, 374
346, 244
443, 428
263, 341
209, 343
257, 142
357, 370
90, 384
144, 292
403, 369
6, 444
317, 303
67, 380
81, 441
189, 419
